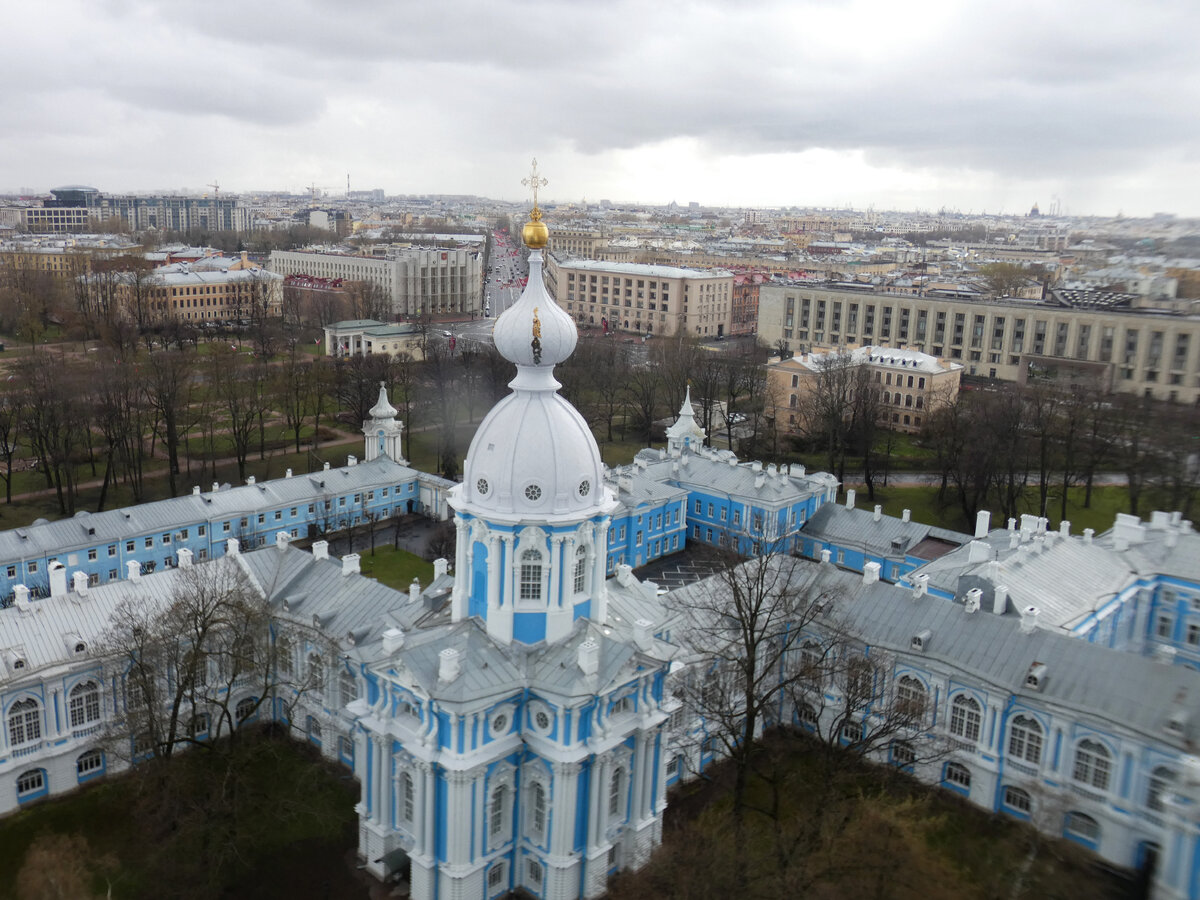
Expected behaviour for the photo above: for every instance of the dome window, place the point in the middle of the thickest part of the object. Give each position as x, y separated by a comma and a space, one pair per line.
533, 493
482, 486
585, 488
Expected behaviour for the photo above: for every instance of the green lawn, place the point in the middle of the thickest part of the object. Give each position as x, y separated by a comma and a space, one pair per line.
396, 568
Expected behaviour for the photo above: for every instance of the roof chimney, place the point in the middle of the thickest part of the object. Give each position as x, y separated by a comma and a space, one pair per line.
393, 640
350, 564
643, 635
414, 591
589, 657
58, 579
871, 573
216, 486
287, 473
133, 570
850, 499
440, 567
978, 551
983, 521
185, 558
1064, 528
250, 479
281, 540
195, 490
449, 666
351, 460
906, 515
1088, 533
21, 597
232, 548
80, 583
1029, 617
972, 600
826, 555
920, 585
878, 512
320, 549
1000, 600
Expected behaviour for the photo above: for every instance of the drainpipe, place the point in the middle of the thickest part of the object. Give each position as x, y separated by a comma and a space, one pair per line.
1001, 752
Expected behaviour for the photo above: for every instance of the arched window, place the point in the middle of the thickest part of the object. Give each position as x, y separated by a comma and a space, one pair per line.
958, 775
1082, 828
347, 688
245, 709
580, 569
920, 402
88, 763
31, 784
1092, 764
285, 650
1017, 799
316, 672
407, 797
910, 698
965, 717
537, 798
314, 730
531, 576
810, 663
24, 722
83, 704
1025, 740
497, 812
806, 716
1161, 780
616, 788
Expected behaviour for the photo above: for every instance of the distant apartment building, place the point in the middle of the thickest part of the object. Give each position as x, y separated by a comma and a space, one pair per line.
1075, 337
77, 208
907, 384
417, 281
662, 300
744, 314
63, 257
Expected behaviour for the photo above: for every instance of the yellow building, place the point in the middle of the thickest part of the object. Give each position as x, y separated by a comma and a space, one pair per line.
907, 384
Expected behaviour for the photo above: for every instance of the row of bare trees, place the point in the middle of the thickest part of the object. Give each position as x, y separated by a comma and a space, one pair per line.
994, 447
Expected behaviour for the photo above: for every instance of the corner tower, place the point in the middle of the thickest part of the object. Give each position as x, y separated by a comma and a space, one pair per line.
532, 512
382, 431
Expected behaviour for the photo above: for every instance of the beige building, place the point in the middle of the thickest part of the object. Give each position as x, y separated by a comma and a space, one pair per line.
362, 337
187, 294
907, 383
1136, 351
661, 300
419, 282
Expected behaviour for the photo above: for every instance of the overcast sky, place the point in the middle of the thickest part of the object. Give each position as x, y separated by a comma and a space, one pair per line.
965, 105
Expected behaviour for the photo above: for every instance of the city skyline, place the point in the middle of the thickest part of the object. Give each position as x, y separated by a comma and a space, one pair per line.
762, 104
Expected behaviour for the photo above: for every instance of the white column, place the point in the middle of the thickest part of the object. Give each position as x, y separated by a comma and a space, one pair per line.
463, 552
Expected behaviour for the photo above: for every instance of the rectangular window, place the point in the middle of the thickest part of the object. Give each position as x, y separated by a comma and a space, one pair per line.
149, 542
12, 571
696, 507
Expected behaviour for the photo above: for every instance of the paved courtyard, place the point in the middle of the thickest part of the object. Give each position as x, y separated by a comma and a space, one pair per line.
689, 565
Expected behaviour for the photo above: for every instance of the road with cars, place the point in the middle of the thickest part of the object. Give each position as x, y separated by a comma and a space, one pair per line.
505, 280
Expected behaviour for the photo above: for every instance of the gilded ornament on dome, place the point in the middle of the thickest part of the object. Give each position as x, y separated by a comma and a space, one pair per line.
536, 343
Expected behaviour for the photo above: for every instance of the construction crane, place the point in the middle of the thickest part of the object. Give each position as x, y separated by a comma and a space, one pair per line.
216, 189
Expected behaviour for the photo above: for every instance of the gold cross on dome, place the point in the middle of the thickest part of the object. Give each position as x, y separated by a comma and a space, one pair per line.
534, 181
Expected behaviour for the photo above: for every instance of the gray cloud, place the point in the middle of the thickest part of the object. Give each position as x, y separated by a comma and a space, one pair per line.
1023, 92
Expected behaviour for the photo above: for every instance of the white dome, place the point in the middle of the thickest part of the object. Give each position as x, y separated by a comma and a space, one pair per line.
533, 456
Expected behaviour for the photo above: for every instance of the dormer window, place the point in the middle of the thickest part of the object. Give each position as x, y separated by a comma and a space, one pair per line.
1036, 677
920, 640
80, 647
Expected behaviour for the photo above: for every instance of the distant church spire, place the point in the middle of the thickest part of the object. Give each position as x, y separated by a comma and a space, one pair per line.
382, 432
686, 432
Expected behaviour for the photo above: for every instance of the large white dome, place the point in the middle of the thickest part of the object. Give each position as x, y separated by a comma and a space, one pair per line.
533, 457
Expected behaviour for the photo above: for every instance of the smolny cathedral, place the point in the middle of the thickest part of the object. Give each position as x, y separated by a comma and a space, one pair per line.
517, 723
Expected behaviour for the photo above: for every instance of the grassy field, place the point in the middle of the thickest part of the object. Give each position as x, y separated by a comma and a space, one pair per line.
396, 568
1107, 501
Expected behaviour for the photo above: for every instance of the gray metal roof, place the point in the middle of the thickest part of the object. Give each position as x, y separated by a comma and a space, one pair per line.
858, 528
65, 535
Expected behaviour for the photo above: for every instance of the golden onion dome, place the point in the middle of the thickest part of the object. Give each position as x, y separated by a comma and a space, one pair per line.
535, 234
